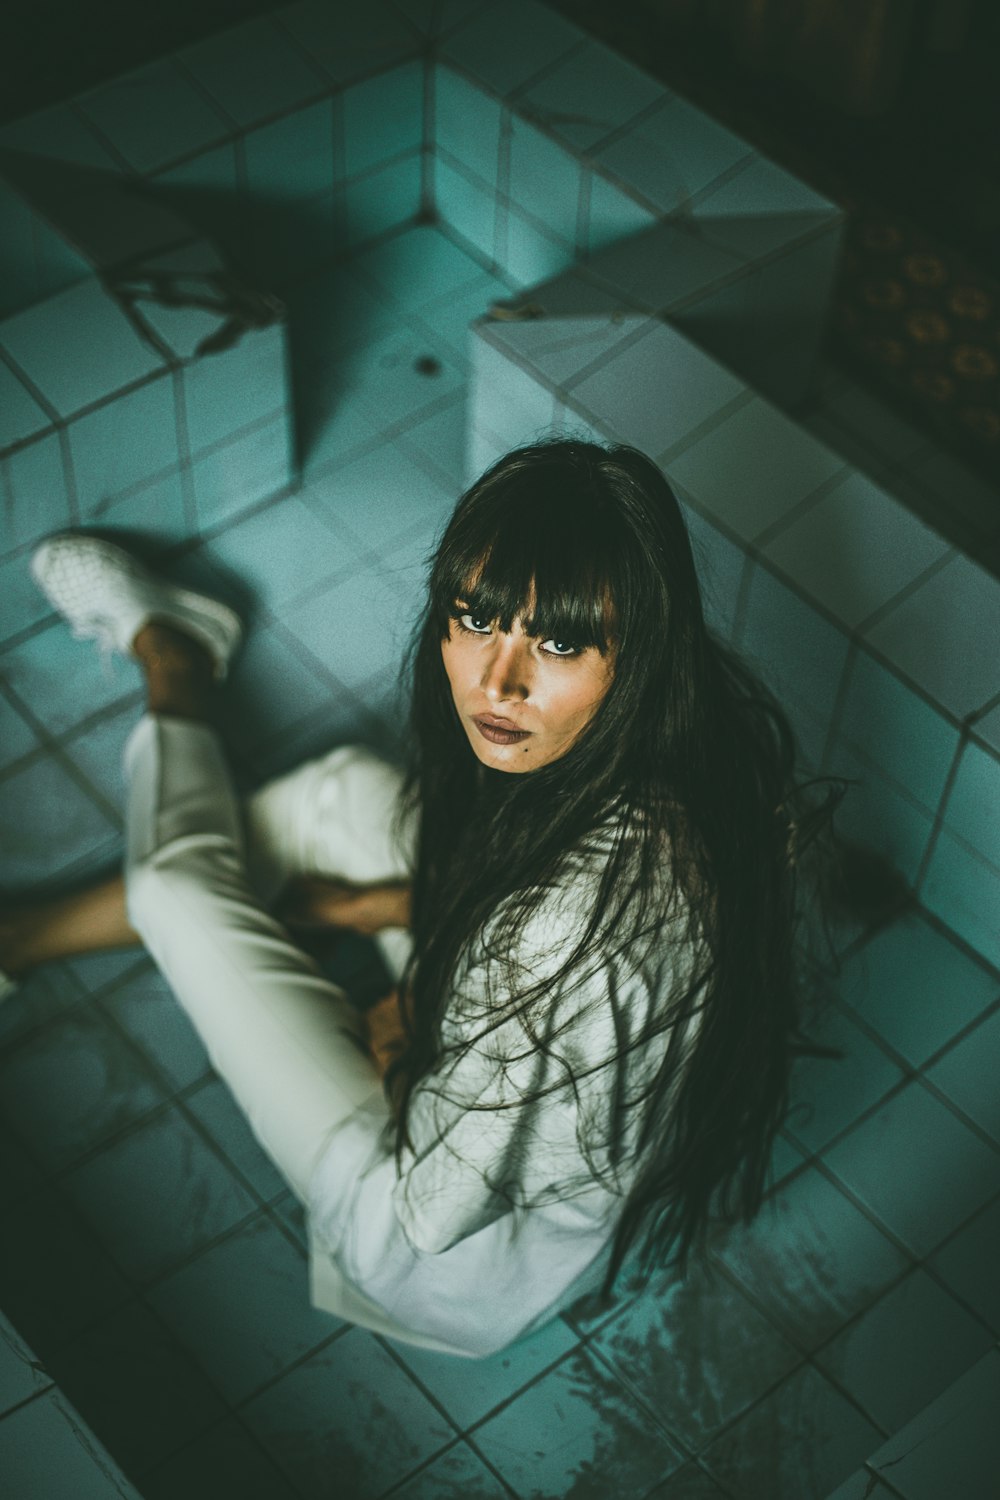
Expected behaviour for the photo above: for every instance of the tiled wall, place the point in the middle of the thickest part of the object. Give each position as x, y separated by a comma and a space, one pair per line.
297, 138
875, 635
572, 174
112, 410
107, 424
35, 261
546, 157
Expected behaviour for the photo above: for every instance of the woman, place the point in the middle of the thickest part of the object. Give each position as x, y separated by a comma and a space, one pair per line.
593, 850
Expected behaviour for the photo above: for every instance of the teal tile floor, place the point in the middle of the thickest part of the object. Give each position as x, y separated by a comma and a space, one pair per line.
154, 1259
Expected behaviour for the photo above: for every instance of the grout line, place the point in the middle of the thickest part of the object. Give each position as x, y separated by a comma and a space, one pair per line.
879, 1481
51, 742
50, 1387
624, 344
744, 575
837, 708
7, 502
77, 104
789, 1331
285, 33
429, 1394
338, 154
191, 1443
641, 117
69, 474
913, 1073
981, 713
508, 1400
475, 253
36, 394
582, 234
900, 597
55, 747
913, 1257
939, 814
951, 1289
958, 941
763, 539
573, 49
697, 434
422, 1467
184, 467
62, 424
174, 61
499, 191
743, 598
240, 1406
428, 205
953, 1105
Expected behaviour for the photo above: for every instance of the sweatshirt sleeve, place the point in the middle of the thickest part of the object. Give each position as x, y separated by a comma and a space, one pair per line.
483, 1144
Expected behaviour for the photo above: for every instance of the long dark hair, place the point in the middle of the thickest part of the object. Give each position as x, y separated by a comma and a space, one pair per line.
692, 762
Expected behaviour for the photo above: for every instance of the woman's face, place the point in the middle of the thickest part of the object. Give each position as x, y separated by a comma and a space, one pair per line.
522, 701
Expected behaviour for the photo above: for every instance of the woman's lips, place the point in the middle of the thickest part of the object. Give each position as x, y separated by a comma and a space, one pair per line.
499, 731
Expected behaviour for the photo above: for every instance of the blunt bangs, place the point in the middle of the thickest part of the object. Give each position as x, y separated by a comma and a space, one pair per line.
546, 554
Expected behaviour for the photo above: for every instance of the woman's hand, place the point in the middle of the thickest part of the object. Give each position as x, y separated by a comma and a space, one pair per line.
310, 901
384, 1028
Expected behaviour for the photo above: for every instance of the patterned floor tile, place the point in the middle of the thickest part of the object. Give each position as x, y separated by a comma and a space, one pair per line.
157, 1196
242, 1309
799, 1443
347, 1422
577, 1431
73, 1085
698, 1354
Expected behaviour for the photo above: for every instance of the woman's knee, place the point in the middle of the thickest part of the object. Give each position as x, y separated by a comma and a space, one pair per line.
332, 816
174, 876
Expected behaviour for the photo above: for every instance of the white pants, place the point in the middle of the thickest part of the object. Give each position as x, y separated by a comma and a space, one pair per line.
198, 872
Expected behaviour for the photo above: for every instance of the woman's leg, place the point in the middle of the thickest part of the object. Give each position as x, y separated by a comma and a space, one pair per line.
334, 818
283, 1038
329, 819
94, 918
88, 920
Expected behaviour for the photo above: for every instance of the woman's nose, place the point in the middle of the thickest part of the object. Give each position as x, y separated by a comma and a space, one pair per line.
507, 673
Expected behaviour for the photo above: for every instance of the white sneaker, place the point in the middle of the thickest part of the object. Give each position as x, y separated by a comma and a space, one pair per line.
107, 595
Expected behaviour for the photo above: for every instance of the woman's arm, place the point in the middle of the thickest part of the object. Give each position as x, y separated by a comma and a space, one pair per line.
93, 918
384, 1026
312, 901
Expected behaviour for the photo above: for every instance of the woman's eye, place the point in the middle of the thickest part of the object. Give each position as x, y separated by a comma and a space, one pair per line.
473, 623
558, 648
